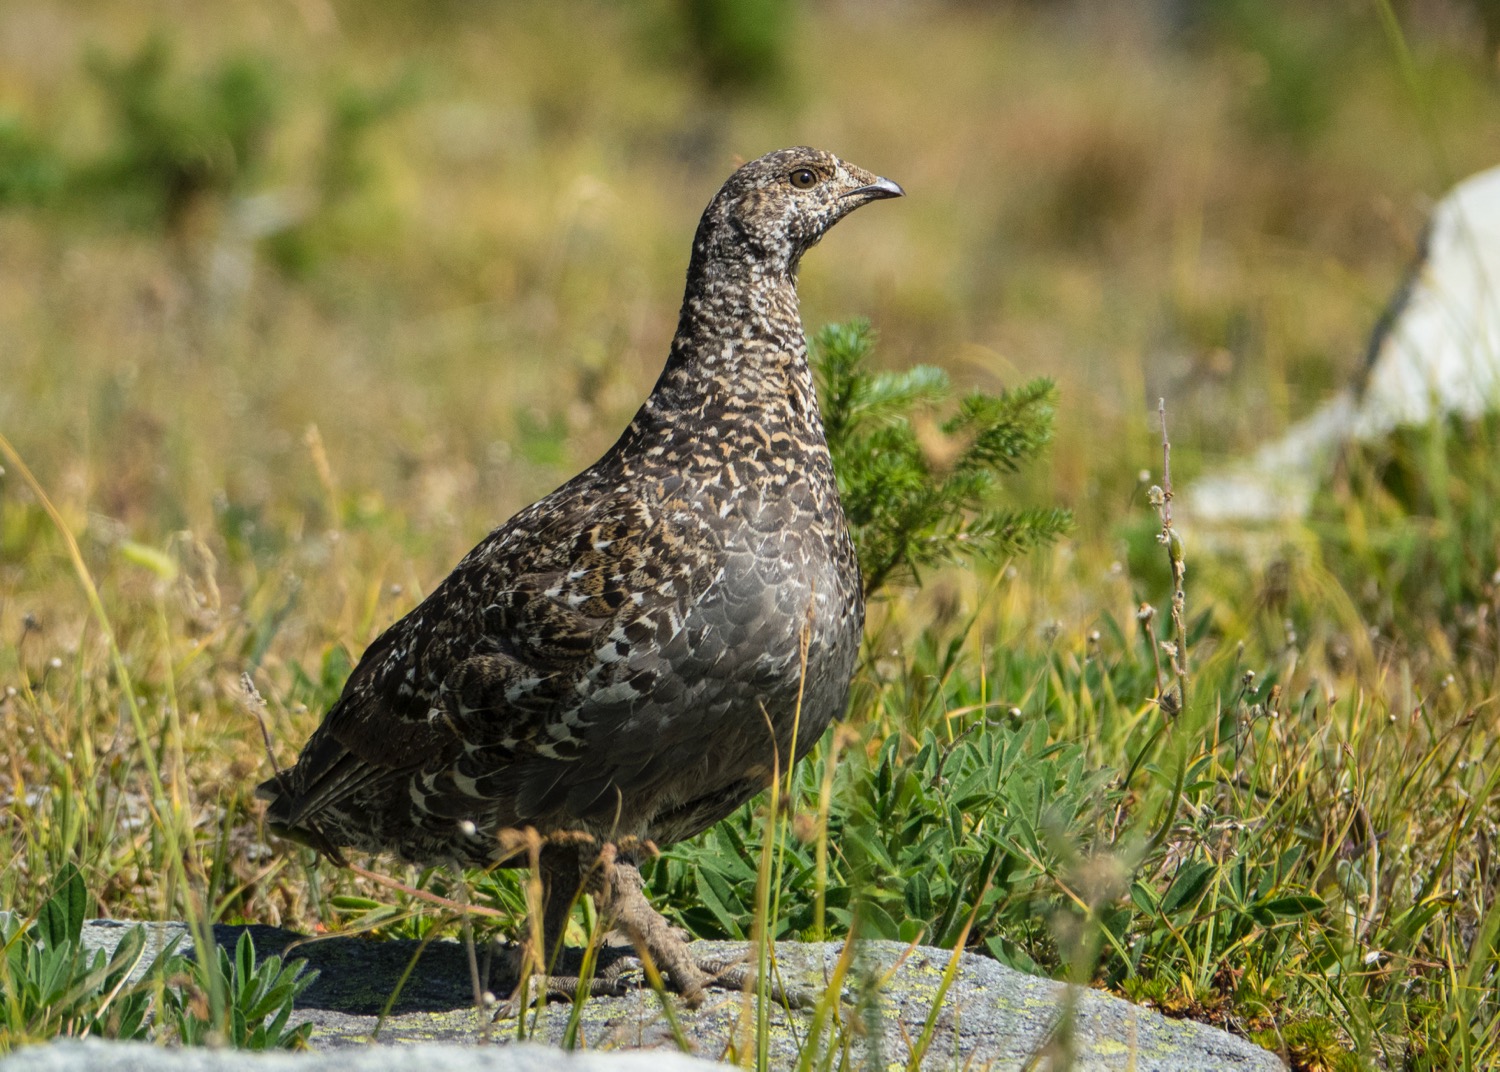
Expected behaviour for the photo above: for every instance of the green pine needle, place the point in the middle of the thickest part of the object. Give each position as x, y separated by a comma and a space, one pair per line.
912, 503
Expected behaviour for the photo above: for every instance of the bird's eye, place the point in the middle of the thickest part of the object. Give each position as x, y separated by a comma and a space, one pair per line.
804, 178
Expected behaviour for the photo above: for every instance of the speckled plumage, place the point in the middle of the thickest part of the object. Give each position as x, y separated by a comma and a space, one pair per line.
618, 658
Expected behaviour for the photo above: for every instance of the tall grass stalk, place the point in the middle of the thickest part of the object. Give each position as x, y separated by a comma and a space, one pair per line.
770, 870
950, 973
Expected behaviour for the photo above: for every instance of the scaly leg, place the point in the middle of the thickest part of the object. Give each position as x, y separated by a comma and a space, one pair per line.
623, 895
617, 884
560, 869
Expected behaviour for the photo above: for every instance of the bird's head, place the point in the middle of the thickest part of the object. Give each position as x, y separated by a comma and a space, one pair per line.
772, 210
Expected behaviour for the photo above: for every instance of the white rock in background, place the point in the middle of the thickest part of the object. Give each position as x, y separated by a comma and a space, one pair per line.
1436, 353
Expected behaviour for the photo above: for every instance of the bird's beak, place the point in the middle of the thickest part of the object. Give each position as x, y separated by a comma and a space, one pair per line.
876, 190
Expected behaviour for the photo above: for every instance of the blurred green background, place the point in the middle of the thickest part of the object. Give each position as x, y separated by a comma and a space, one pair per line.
452, 234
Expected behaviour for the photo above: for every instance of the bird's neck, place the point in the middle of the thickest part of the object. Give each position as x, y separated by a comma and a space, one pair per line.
739, 349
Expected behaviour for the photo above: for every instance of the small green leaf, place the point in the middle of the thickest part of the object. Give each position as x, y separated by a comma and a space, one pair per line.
1296, 904
1144, 899
1187, 887
716, 895
350, 902
61, 919
876, 922
244, 959
918, 896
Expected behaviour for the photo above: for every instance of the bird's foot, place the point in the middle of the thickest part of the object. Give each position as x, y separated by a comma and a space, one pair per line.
622, 891
741, 976
639, 936
691, 977
613, 981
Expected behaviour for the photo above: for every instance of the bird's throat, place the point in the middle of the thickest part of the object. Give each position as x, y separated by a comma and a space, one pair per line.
739, 345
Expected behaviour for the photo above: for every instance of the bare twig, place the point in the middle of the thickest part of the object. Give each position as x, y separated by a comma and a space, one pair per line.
257, 705
1146, 615
458, 908
1161, 498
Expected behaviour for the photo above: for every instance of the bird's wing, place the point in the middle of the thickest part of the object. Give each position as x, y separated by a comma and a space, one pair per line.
513, 651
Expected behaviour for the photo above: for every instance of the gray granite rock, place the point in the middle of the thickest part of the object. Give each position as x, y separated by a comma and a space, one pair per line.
95, 1056
991, 1017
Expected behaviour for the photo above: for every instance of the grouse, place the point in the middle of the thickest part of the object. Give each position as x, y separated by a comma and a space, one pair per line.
626, 661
